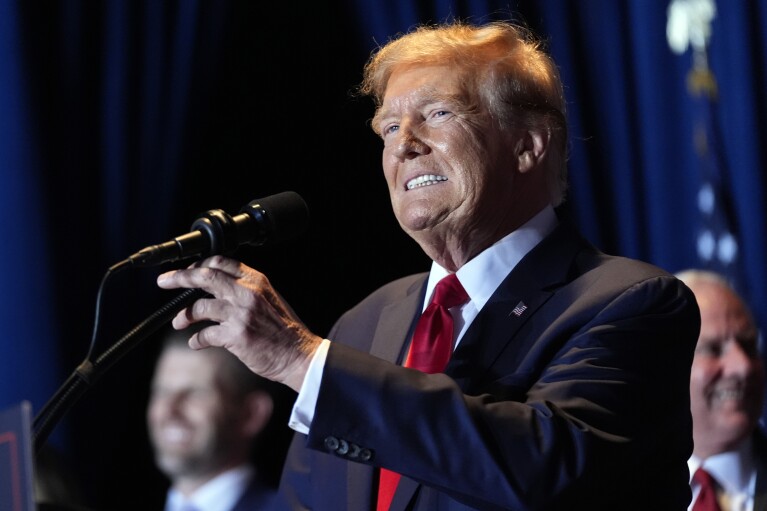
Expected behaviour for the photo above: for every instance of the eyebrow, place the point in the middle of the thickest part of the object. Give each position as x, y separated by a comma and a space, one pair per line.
751, 335
430, 95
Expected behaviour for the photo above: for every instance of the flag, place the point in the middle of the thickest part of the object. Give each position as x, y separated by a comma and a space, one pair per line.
717, 246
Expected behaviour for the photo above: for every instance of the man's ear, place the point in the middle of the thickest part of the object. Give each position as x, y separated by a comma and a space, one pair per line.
258, 410
531, 148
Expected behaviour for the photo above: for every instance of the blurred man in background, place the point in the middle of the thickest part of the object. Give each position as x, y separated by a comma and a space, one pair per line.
729, 461
205, 414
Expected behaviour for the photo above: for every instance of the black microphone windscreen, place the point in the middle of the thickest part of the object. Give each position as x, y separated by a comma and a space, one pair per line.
287, 215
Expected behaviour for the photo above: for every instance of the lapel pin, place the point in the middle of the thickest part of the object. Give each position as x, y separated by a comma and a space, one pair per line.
519, 309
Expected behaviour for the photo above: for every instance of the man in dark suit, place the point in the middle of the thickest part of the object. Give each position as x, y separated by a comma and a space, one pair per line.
568, 387
727, 395
206, 414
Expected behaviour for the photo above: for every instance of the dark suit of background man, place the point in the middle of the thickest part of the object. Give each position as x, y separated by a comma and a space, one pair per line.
727, 395
569, 384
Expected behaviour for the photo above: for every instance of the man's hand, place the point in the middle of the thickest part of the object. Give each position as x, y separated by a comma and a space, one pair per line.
253, 321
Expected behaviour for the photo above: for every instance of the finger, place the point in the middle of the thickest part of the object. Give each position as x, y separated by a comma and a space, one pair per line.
181, 320
204, 309
196, 342
212, 280
208, 309
205, 338
223, 264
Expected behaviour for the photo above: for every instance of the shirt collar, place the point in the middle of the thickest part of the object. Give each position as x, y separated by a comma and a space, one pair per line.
733, 470
482, 275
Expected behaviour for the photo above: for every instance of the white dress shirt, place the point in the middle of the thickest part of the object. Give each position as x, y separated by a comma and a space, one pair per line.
735, 471
480, 277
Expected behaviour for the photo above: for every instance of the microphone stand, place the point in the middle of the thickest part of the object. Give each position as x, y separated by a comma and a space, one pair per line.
272, 218
88, 372
215, 232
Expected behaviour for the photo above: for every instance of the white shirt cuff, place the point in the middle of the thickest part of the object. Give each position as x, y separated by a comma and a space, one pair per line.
303, 408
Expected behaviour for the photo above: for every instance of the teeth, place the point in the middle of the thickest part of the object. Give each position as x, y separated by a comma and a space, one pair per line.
729, 394
428, 179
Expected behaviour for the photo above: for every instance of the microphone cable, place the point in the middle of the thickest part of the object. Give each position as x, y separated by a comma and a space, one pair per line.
89, 371
268, 220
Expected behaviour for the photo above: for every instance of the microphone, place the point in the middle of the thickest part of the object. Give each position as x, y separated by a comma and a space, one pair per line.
269, 220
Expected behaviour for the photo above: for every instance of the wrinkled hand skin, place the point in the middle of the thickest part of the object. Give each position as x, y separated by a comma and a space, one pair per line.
253, 320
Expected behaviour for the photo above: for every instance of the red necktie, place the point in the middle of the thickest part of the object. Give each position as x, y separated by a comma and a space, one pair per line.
706, 500
430, 352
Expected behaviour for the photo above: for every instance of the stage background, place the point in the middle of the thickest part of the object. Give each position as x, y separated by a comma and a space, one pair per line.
122, 121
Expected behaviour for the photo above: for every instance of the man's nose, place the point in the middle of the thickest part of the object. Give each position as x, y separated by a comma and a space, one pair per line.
409, 143
174, 403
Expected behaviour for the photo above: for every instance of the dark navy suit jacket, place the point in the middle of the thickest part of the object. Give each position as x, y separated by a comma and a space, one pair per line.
760, 456
260, 497
581, 401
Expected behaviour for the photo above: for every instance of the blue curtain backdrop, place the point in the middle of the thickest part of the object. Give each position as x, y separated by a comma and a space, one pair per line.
122, 121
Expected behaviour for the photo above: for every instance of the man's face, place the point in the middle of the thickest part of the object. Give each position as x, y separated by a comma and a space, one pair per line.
447, 163
191, 418
727, 378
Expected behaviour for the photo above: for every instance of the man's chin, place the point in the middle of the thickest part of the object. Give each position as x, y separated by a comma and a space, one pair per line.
174, 464
735, 428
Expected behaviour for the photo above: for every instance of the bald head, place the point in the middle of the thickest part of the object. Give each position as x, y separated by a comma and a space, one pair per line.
727, 376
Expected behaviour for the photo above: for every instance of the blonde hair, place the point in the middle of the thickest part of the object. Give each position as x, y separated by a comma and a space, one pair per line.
503, 65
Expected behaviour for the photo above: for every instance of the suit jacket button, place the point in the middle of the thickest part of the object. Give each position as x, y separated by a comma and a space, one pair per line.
331, 443
354, 451
343, 448
365, 454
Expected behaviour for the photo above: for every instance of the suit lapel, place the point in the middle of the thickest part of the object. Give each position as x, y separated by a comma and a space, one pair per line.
388, 343
392, 332
517, 300
543, 270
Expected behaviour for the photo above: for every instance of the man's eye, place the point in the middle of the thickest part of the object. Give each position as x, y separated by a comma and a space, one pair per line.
749, 345
390, 129
710, 349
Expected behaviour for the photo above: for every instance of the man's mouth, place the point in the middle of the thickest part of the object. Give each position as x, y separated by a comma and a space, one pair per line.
729, 395
173, 434
425, 180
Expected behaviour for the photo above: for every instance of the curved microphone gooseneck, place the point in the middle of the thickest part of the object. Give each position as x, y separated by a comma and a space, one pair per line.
271, 219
